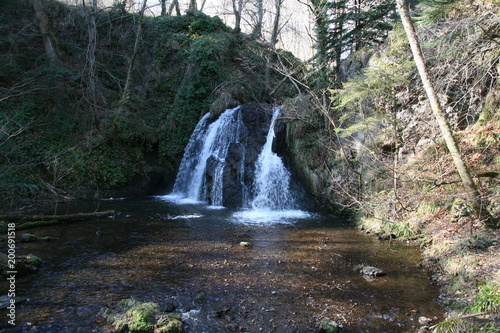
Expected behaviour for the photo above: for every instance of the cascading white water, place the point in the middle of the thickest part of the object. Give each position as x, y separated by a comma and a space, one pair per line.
192, 155
272, 179
203, 144
215, 167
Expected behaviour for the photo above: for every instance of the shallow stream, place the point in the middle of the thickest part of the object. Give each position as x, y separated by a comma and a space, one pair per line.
187, 258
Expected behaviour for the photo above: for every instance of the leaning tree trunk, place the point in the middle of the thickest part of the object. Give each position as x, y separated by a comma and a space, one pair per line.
439, 115
203, 5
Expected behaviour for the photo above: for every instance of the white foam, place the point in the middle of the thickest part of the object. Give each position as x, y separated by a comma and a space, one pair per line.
178, 199
216, 207
188, 216
262, 216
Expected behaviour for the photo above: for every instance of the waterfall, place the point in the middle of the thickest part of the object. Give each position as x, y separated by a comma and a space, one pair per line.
192, 155
207, 142
272, 179
230, 162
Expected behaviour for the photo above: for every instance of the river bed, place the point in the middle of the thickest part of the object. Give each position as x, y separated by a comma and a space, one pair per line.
187, 258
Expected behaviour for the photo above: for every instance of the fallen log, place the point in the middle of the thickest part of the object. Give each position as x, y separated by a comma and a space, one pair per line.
65, 217
34, 224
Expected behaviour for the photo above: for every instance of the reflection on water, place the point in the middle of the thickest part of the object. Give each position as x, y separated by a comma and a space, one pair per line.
298, 270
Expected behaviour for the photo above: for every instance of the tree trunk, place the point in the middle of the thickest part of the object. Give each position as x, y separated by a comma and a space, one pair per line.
163, 4
66, 217
439, 115
126, 88
257, 29
276, 22
237, 9
44, 26
202, 5
193, 5
91, 61
174, 4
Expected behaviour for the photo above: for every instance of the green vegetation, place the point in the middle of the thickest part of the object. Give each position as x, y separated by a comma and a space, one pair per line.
140, 317
369, 147
64, 130
135, 316
376, 153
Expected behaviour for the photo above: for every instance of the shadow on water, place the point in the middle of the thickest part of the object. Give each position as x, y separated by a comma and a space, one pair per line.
296, 271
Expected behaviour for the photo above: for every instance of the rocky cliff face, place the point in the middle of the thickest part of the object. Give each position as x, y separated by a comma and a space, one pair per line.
348, 163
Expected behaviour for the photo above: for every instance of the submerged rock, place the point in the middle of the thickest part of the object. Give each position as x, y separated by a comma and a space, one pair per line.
5, 301
328, 325
27, 238
369, 271
33, 260
23, 264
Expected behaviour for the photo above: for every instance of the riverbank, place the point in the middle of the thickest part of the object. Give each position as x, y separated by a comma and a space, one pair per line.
465, 261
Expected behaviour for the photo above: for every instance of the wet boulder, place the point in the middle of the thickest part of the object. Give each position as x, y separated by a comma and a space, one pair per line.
138, 318
133, 315
169, 323
369, 271
328, 325
23, 264
27, 238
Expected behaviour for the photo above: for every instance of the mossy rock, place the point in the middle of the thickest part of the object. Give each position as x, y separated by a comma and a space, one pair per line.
131, 315
28, 238
170, 323
328, 325
494, 206
140, 317
460, 209
33, 260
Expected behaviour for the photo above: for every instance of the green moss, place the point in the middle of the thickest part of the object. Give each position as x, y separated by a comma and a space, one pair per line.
170, 323
33, 260
329, 326
34, 224
133, 315
140, 317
